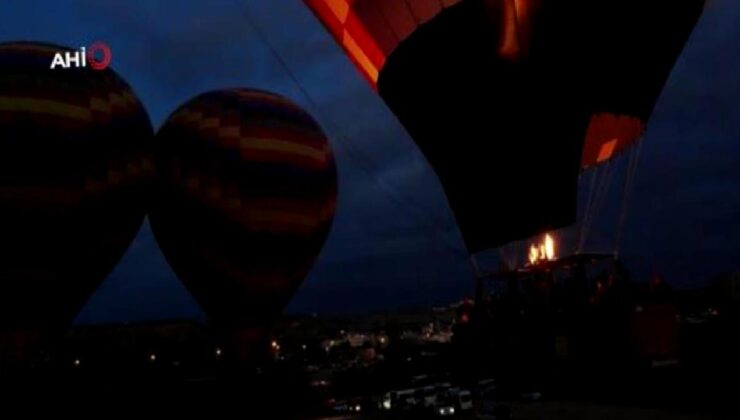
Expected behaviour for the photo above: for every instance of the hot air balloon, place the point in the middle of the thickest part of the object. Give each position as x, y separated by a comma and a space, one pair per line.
510, 100
74, 165
245, 197
627, 62
482, 89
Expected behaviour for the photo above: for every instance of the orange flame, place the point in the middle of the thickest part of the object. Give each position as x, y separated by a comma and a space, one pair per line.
544, 251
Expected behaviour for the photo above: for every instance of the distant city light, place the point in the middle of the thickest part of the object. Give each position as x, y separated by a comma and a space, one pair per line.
303, 347
152, 357
446, 411
218, 352
319, 383
77, 362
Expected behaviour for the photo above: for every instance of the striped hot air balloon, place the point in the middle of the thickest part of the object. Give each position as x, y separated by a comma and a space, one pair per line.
75, 150
246, 192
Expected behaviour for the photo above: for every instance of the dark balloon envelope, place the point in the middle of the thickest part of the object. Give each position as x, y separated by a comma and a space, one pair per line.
510, 99
75, 162
631, 49
246, 192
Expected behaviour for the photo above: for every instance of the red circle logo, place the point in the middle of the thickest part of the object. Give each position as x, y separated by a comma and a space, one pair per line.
99, 63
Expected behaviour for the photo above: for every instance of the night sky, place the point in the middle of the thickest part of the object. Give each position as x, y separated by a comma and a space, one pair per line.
394, 242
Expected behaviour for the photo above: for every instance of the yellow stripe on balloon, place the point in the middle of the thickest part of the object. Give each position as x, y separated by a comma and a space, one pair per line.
44, 106
283, 146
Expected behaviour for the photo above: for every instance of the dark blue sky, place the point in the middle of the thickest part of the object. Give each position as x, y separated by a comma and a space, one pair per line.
394, 242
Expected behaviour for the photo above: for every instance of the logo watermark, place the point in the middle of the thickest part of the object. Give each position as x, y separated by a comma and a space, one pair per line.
97, 56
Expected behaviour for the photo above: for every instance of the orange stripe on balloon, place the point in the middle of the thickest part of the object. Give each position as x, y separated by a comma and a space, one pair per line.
365, 40
327, 16
266, 219
340, 8
607, 150
371, 72
284, 147
608, 135
281, 158
330, 14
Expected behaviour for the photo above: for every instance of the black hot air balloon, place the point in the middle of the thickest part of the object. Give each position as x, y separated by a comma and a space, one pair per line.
510, 99
246, 192
480, 86
631, 49
74, 163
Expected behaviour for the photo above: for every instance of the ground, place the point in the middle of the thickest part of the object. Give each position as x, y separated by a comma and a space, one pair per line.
553, 410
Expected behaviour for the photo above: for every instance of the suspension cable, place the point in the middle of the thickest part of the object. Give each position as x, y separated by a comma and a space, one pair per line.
600, 195
352, 152
627, 196
587, 210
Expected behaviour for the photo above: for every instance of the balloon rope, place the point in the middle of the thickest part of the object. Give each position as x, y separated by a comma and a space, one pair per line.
587, 210
509, 254
476, 267
604, 188
601, 193
353, 153
628, 191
